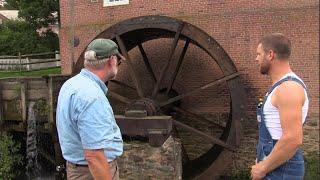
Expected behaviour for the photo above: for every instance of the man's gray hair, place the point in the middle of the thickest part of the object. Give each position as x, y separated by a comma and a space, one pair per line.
90, 59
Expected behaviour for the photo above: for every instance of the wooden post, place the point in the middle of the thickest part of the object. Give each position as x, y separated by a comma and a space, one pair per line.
1, 104
23, 90
50, 102
28, 65
20, 66
57, 57
52, 127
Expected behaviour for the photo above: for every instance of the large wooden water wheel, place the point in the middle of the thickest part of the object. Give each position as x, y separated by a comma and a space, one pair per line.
162, 90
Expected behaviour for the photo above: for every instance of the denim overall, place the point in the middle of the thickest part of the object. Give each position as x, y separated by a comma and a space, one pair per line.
293, 169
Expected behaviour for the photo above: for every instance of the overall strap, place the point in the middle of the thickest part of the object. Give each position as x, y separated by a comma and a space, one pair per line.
288, 78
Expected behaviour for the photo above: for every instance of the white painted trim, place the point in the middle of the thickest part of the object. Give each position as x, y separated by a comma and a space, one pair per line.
115, 3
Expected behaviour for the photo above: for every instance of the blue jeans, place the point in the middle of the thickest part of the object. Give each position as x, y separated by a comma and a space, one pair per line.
292, 169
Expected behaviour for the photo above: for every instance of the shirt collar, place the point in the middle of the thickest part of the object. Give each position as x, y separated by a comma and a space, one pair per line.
95, 78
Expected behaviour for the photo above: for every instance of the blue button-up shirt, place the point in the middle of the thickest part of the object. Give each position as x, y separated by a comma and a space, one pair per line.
85, 119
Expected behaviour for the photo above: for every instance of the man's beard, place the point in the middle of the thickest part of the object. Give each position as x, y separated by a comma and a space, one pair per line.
264, 67
112, 75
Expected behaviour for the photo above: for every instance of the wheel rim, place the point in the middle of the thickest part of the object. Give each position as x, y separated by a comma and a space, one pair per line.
133, 33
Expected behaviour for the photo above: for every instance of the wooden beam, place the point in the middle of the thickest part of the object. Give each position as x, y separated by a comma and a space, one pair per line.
23, 89
165, 68
213, 83
1, 103
204, 135
50, 101
133, 74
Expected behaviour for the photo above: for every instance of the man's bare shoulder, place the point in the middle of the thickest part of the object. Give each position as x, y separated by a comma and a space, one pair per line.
290, 92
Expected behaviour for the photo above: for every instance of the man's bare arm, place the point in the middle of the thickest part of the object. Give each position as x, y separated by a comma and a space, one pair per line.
289, 99
98, 164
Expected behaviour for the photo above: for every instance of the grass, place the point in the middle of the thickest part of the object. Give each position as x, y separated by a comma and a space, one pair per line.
312, 165
242, 174
34, 73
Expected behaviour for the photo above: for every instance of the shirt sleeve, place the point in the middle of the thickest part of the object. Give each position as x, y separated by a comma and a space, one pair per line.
94, 123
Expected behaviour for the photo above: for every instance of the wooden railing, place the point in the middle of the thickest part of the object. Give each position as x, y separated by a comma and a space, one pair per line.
29, 62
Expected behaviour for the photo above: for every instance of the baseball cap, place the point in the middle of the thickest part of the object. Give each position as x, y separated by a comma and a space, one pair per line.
104, 48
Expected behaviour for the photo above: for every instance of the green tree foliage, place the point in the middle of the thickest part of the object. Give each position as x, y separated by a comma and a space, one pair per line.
9, 157
12, 4
39, 13
20, 36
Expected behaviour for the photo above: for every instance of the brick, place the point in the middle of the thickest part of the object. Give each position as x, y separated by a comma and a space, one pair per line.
235, 25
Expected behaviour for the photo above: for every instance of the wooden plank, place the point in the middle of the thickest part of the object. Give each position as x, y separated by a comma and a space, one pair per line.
31, 84
54, 84
146, 62
9, 57
37, 85
118, 97
8, 85
204, 135
40, 61
50, 101
1, 103
20, 67
24, 87
8, 95
37, 94
33, 94
12, 110
141, 126
165, 68
174, 75
133, 74
213, 83
14, 127
20, 128
17, 79
39, 54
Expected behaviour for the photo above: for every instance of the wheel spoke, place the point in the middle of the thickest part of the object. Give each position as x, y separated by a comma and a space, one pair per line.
146, 62
173, 47
185, 157
204, 135
133, 75
122, 84
173, 78
219, 81
118, 97
197, 117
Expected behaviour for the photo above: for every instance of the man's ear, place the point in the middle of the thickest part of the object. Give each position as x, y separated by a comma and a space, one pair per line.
271, 55
112, 60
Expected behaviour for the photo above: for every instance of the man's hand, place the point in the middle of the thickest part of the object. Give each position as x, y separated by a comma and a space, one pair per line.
258, 171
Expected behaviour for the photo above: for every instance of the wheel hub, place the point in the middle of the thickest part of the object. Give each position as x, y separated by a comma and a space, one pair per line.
144, 104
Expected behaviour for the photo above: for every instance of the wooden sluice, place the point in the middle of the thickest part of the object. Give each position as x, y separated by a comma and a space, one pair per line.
15, 96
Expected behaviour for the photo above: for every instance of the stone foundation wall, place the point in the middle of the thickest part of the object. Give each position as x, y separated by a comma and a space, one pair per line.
142, 161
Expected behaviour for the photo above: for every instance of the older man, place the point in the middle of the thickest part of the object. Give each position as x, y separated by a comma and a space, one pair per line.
281, 114
89, 137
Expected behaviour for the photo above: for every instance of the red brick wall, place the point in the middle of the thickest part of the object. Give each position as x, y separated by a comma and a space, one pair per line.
235, 25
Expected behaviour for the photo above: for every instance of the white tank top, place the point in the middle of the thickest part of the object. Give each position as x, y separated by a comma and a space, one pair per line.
271, 113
